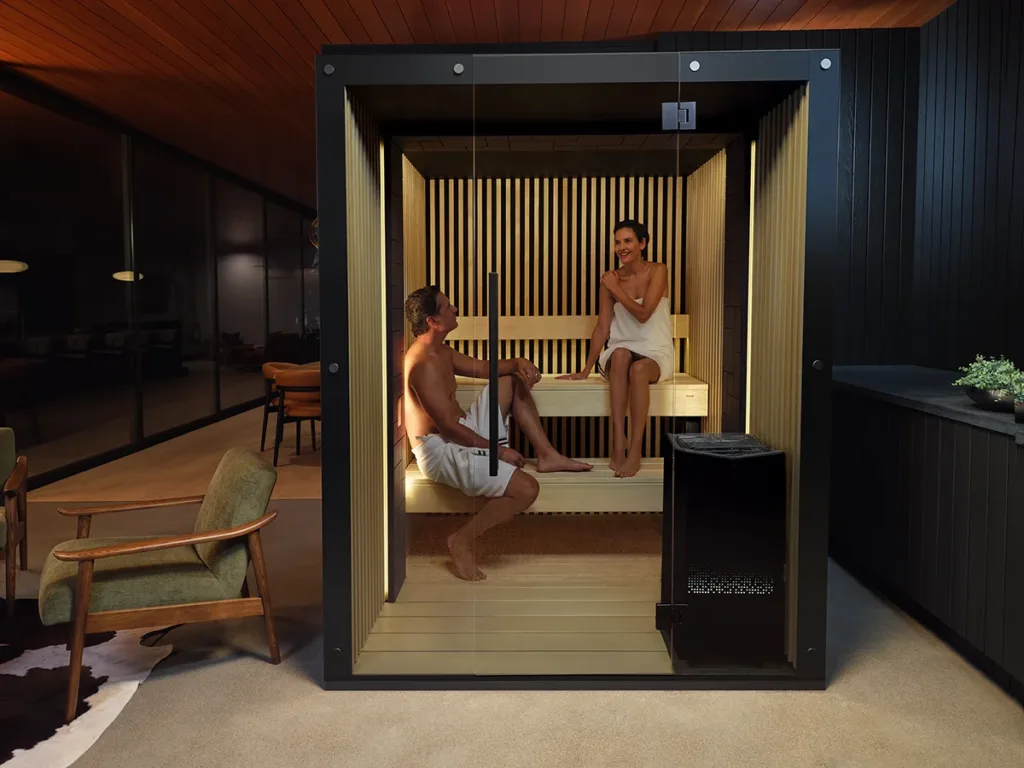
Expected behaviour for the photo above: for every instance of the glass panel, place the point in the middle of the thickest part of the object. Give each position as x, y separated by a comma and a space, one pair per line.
66, 364
175, 294
284, 285
310, 284
241, 292
573, 580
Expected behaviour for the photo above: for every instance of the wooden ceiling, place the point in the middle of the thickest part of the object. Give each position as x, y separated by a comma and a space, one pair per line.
231, 81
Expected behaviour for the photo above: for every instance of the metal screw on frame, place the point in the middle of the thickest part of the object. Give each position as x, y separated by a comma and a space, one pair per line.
826, 63
329, 69
333, 367
458, 69
694, 65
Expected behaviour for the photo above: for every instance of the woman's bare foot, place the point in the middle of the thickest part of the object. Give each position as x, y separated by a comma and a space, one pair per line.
462, 560
618, 459
630, 466
560, 463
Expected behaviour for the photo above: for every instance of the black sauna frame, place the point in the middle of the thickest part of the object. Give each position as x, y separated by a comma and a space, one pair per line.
339, 67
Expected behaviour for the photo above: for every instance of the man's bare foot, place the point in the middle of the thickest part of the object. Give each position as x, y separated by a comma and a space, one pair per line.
462, 560
560, 463
618, 459
630, 466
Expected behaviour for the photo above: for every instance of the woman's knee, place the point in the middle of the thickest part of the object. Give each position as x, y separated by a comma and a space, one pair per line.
643, 372
621, 358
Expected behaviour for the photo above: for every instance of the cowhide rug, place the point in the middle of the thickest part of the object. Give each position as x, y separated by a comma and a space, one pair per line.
33, 687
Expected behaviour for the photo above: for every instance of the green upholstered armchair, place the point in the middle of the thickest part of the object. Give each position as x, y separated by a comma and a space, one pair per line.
102, 584
14, 515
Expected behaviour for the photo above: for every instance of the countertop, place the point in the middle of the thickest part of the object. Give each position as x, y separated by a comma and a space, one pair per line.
924, 389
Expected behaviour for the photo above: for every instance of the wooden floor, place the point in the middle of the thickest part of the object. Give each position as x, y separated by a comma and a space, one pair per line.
563, 595
184, 466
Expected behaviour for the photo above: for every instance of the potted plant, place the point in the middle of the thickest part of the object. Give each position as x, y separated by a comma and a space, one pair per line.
990, 382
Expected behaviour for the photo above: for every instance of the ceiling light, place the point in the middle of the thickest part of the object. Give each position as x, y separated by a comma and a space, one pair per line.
127, 276
12, 267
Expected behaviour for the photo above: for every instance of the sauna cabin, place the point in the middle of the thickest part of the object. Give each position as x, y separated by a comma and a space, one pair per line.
443, 168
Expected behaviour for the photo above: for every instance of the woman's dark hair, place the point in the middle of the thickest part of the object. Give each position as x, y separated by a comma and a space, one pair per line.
421, 304
639, 230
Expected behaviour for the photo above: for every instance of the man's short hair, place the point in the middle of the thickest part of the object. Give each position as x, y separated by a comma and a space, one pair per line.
421, 304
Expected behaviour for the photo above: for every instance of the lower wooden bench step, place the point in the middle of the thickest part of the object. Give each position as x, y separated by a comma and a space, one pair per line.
560, 492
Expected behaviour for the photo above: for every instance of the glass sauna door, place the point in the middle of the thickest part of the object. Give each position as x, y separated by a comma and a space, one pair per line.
578, 186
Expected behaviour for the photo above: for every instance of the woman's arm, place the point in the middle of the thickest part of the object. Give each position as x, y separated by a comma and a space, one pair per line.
655, 291
599, 336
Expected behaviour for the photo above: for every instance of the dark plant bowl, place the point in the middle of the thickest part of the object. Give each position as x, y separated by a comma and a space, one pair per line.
991, 399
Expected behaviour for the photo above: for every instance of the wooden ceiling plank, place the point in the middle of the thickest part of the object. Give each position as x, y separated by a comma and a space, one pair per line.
325, 21
374, 25
394, 21
346, 20
712, 16
234, 33
552, 19
760, 13
688, 17
156, 27
276, 32
597, 19
419, 24
224, 59
801, 17
823, 17
619, 19
923, 12
782, 15
485, 21
665, 16
299, 15
441, 20
867, 17
736, 15
575, 23
529, 21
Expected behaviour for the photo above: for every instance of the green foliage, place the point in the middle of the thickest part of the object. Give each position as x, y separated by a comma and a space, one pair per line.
992, 374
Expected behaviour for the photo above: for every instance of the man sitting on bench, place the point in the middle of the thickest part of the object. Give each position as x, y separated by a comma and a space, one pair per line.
451, 447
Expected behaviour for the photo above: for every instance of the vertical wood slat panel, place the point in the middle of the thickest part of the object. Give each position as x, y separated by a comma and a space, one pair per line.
777, 275
705, 279
552, 241
371, 474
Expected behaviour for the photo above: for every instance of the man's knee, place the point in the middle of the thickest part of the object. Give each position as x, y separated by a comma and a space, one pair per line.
523, 487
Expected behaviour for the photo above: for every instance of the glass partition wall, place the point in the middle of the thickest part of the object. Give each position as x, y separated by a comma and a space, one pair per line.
123, 264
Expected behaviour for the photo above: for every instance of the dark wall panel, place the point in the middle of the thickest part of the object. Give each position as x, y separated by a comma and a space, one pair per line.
877, 153
967, 267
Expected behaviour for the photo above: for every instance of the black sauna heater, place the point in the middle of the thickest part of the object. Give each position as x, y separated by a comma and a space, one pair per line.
723, 591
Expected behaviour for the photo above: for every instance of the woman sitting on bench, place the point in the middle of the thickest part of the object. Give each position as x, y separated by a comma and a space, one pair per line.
634, 319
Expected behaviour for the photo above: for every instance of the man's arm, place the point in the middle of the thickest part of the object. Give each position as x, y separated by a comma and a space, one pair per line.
428, 382
465, 365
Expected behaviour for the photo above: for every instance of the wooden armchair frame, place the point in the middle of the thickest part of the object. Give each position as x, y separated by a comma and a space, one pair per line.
184, 613
16, 511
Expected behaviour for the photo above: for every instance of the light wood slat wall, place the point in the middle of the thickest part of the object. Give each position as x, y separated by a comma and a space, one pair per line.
550, 240
369, 427
705, 280
777, 274
414, 222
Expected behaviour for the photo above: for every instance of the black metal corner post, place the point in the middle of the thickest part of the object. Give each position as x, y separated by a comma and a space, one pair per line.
212, 265
331, 93
816, 378
128, 211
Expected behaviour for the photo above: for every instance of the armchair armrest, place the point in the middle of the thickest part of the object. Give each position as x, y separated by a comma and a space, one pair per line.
131, 506
16, 482
166, 542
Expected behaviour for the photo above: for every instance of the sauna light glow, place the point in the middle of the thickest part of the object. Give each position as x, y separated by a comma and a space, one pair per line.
127, 276
750, 280
8, 267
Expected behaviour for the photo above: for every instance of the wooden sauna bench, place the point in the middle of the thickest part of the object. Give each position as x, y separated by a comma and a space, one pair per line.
595, 491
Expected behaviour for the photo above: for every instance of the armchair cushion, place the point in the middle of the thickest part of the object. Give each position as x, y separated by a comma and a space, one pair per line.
239, 493
144, 580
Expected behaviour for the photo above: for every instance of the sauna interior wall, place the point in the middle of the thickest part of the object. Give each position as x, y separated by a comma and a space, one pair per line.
705, 280
368, 377
777, 297
550, 239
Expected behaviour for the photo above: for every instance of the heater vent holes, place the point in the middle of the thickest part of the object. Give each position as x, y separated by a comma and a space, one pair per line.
704, 581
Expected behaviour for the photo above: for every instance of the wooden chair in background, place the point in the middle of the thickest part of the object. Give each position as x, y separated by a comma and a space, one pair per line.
270, 370
14, 515
131, 582
298, 401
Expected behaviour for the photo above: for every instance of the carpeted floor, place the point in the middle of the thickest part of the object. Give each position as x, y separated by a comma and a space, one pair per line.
898, 697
